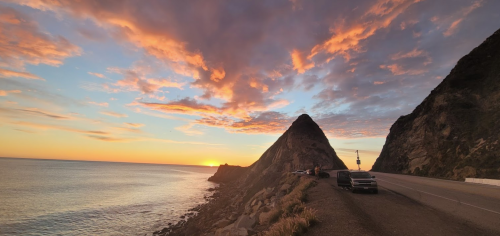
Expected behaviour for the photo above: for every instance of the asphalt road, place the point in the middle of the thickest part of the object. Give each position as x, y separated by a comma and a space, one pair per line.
406, 205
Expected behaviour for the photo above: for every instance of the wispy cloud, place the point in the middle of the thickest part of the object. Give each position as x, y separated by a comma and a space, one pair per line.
24, 43
97, 75
134, 125
114, 114
4, 93
101, 104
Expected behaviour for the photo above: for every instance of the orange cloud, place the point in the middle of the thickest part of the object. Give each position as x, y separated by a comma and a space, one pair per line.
4, 93
217, 75
399, 70
265, 122
21, 42
184, 106
346, 38
413, 54
135, 80
453, 27
300, 62
9, 73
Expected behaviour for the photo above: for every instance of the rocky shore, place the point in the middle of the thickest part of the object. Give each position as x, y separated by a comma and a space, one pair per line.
227, 212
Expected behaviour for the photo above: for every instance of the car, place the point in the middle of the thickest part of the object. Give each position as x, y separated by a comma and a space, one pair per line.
357, 181
343, 179
299, 172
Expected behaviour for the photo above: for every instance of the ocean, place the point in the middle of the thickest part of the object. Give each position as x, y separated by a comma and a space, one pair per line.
56, 197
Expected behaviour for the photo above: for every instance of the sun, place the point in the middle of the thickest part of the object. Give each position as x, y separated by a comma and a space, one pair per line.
211, 165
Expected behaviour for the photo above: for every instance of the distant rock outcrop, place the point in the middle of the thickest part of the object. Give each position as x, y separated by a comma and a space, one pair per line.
454, 133
226, 173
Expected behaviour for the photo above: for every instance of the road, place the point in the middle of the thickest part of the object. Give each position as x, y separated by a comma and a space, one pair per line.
406, 205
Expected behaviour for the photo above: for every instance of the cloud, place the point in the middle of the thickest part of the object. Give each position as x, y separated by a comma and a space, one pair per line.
114, 114
9, 74
36, 111
101, 104
189, 129
300, 62
262, 122
134, 125
184, 106
135, 80
453, 27
22, 42
399, 70
97, 75
57, 127
344, 62
109, 139
4, 93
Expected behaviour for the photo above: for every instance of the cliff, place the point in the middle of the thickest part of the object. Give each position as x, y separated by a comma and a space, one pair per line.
454, 132
226, 173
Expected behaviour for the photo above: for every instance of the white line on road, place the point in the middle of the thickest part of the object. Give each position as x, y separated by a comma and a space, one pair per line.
442, 197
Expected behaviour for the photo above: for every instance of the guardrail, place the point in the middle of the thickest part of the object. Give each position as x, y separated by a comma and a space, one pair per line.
483, 181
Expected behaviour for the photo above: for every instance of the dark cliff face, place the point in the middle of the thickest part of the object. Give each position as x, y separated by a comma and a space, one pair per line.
454, 133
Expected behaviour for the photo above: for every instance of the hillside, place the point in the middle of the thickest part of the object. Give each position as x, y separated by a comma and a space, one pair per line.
454, 132
265, 195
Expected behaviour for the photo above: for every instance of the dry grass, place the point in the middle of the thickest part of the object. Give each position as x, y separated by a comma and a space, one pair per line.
294, 218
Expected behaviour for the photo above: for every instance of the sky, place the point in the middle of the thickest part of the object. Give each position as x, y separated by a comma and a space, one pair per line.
213, 82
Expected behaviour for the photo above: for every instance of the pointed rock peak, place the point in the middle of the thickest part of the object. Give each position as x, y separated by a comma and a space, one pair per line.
305, 124
303, 120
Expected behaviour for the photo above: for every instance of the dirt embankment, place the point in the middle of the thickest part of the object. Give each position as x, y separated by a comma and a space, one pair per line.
272, 209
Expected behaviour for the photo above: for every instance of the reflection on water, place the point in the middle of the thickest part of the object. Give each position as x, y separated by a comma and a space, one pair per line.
48, 197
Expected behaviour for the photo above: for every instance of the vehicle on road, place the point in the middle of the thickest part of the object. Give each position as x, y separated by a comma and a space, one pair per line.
357, 181
343, 179
323, 174
299, 172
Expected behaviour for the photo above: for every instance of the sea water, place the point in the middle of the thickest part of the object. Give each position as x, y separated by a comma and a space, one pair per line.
55, 197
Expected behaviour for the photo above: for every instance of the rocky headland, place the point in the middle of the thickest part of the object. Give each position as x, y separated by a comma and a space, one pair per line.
265, 198
454, 133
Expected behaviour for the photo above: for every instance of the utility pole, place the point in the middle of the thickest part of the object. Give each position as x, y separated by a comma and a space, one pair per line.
358, 161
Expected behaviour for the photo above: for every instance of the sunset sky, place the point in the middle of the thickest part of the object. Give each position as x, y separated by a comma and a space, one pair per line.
210, 82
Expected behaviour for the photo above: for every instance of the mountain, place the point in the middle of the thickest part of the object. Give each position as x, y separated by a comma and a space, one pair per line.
454, 133
302, 146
